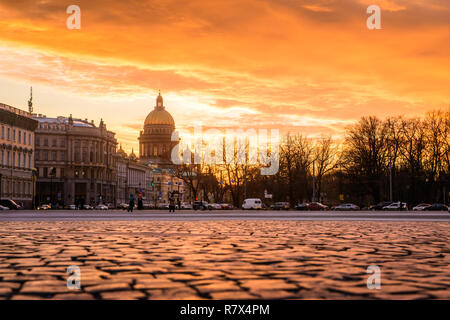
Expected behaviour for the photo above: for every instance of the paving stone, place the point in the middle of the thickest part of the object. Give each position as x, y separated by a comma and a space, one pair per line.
73, 296
108, 287
123, 295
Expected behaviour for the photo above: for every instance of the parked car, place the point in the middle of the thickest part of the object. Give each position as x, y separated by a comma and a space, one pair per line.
281, 206
396, 206
379, 205
346, 207
10, 204
253, 203
226, 206
164, 206
214, 206
421, 206
123, 205
186, 206
87, 207
44, 207
317, 206
72, 207
3, 208
101, 207
436, 207
301, 206
200, 205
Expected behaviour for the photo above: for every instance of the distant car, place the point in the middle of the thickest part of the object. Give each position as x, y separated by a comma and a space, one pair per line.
346, 207
281, 206
252, 204
214, 206
186, 206
436, 207
10, 204
421, 206
44, 207
301, 206
317, 206
72, 207
164, 206
396, 206
87, 207
3, 208
226, 206
380, 205
101, 207
200, 205
123, 206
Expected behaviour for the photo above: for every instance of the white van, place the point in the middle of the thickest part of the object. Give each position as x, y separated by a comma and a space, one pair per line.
254, 203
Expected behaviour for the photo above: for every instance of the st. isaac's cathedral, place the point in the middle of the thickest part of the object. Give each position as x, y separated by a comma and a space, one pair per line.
155, 140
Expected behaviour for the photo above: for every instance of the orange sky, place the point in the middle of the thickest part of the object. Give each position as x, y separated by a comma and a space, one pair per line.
306, 66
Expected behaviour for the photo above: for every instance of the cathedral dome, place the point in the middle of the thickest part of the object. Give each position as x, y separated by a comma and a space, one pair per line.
159, 115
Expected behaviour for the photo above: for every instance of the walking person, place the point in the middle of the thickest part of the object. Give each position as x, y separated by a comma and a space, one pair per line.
171, 204
131, 205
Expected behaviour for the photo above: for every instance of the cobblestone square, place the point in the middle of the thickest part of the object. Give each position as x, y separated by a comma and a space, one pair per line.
239, 259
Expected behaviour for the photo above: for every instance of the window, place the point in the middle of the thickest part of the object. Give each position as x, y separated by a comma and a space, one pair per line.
14, 159
54, 143
29, 139
24, 138
54, 155
37, 141
1, 159
14, 134
20, 136
9, 134
3, 132
29, 161
18, 159
46, 142
45, 172
7, 158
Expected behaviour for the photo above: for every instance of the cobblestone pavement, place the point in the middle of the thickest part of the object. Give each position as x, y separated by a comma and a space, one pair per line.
224, 259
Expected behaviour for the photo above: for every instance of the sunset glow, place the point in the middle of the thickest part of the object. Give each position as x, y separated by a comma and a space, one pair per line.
300, 66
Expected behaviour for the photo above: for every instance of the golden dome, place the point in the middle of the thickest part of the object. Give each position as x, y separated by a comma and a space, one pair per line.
159, 115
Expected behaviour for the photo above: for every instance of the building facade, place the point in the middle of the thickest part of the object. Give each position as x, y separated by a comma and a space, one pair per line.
134, 178
167, 184
17, 155
75, 162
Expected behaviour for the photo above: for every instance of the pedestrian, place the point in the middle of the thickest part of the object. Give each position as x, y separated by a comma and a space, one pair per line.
171, 204
131, 205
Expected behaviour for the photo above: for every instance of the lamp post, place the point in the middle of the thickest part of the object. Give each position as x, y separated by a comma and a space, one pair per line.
390, 179
314, 183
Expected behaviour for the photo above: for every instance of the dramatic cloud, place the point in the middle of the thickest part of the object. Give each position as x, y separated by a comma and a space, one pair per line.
297, 65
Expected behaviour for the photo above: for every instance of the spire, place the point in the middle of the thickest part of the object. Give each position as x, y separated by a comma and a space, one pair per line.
30, 101
159, 101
